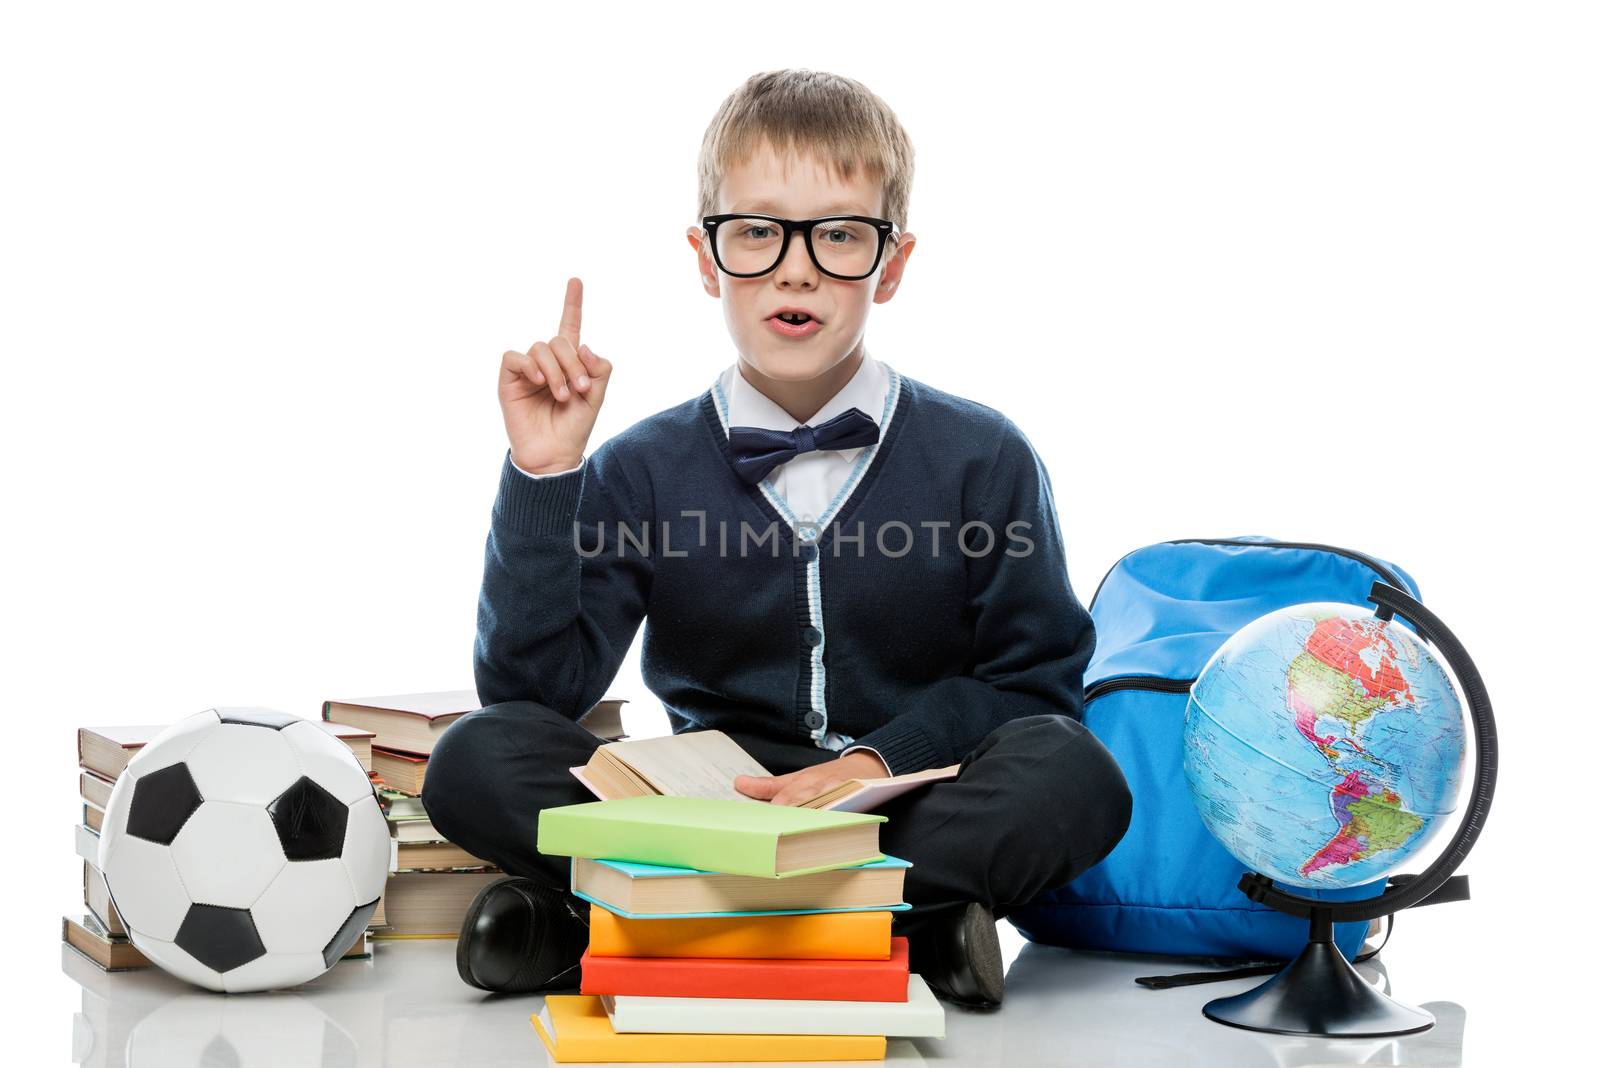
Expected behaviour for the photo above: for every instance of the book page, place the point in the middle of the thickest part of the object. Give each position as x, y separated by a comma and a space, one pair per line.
864, 795
581, 774
691, 764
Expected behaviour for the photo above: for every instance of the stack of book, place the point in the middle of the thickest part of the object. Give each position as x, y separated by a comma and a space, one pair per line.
434, 880
732, 930
103, 754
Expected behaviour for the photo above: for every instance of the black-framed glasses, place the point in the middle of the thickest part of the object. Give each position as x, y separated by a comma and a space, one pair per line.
847, 247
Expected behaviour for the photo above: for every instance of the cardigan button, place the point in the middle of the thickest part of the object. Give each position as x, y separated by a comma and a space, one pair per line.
812, 636
813, 720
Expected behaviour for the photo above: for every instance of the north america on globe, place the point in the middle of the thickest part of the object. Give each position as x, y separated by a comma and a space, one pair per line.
1349, 673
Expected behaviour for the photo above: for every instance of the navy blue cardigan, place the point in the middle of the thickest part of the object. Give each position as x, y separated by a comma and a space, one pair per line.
874, 623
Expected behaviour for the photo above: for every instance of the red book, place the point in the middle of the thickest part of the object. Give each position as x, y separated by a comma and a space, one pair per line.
727, 977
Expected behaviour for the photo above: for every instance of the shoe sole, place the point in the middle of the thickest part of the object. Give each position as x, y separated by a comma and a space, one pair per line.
982, 937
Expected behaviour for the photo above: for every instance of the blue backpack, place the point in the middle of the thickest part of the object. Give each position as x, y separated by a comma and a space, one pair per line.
1159, 613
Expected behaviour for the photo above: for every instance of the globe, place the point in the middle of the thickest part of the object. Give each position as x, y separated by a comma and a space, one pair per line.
1323, 746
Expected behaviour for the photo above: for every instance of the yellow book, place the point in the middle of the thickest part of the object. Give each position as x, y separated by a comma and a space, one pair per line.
575, 1027
810, 936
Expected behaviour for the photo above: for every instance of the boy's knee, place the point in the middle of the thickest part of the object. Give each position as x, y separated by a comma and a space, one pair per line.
463, 763
1077, 774
450, 775
1100, 794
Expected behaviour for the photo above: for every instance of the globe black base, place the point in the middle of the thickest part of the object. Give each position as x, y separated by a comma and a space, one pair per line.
1319, 993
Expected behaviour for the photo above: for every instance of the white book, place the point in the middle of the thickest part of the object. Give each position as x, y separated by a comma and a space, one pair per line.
919, 1016
86, 840
415, 831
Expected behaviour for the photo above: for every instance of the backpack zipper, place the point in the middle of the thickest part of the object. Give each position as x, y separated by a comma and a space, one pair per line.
1154, 683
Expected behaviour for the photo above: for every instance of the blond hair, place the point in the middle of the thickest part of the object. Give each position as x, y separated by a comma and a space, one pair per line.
836, 119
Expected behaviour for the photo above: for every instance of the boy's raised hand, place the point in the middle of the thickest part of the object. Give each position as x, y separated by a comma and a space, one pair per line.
550, 395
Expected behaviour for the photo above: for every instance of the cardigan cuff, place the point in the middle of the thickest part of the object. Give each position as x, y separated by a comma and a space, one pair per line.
546, 505
859, 748
551, 474
903, 745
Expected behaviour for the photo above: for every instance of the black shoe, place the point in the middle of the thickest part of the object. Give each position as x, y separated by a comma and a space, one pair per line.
959, 957
521, 936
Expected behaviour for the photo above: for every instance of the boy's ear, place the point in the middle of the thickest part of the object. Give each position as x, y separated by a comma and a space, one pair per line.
889, 279
703, 261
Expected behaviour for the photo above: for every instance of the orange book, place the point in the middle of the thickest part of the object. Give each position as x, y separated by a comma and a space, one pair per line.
729, 977
809, 936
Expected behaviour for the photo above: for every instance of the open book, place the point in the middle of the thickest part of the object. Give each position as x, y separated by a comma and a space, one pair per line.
704, 764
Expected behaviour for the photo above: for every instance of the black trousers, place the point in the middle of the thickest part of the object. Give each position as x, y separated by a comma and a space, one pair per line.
1038, 802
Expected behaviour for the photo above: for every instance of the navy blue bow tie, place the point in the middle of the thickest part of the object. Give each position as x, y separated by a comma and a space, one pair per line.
757, 450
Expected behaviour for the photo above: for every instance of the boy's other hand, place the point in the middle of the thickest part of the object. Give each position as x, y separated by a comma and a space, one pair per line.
803, 785
550, 395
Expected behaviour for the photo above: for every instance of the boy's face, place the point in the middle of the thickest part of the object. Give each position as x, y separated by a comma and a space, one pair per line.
808, 191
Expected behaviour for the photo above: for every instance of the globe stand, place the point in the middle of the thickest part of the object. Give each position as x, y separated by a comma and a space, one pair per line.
1319, 993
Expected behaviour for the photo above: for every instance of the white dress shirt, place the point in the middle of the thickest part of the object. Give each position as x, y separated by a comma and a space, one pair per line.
809, 481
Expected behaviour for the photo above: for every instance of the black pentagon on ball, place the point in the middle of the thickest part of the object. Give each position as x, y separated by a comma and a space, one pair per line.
258, 717
220, 938
310, 821
162, 803
348, 932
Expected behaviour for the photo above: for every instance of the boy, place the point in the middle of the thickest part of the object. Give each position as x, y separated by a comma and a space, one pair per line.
849, 571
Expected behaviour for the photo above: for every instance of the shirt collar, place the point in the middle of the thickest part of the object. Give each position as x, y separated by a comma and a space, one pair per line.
748, 406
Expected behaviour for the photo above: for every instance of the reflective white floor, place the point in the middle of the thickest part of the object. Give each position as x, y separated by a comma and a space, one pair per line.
406, 1006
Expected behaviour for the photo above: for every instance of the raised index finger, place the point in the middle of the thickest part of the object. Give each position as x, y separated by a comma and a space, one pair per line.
572, 311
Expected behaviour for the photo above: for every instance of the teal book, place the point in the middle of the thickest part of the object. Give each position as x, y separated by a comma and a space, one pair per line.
712, 834
658, 891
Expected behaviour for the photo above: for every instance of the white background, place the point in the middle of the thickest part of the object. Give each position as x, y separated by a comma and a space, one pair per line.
1322, 273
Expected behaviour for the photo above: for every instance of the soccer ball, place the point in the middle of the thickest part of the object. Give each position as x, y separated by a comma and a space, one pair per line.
244, 849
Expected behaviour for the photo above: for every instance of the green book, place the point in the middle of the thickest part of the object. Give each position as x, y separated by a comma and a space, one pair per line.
712, 834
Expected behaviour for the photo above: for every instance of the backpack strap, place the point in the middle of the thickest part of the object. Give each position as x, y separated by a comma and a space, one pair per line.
1454, 888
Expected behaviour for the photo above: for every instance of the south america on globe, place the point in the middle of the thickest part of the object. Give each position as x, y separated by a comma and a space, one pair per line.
1323, 746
